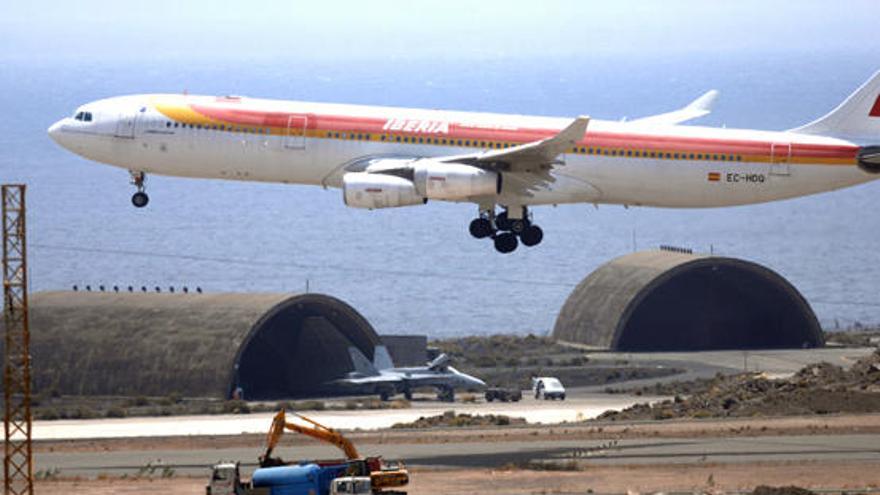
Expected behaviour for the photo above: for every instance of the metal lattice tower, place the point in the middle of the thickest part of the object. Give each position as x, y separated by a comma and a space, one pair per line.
17, 463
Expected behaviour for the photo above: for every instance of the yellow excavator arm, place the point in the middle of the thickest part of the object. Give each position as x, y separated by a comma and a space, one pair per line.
312, 429
380, 476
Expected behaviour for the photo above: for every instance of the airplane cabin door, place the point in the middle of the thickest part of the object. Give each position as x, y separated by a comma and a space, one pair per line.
125, 125
780, 159
296, 132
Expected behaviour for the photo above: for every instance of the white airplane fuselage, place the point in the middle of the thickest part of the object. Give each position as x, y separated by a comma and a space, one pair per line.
384, 157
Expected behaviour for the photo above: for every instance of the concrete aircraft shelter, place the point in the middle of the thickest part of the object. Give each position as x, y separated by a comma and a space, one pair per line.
271, 345
673, 301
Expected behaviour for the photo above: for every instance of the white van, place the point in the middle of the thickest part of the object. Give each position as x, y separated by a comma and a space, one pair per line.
548, 387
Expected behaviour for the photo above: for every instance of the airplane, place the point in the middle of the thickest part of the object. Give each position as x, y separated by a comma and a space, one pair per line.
381, 377
384, 157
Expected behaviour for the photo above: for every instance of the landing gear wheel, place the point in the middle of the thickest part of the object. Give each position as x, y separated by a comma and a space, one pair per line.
505, 243
446, 395
502, 222
407, 394
140, 199
532, 236
481, 228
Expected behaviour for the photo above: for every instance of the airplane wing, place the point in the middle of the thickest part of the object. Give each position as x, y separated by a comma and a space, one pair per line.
697, 108
529, 157
527, 167
370, 380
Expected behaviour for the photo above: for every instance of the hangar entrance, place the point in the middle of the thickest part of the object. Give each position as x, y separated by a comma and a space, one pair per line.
715, 307
672, 301
297, 349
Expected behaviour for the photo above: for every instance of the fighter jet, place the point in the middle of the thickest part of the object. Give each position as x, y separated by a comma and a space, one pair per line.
383, 378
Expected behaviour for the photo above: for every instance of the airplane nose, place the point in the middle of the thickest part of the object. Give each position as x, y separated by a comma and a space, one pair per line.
55, 131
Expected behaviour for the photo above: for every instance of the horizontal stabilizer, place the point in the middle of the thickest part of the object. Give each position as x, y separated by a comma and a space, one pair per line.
857, 118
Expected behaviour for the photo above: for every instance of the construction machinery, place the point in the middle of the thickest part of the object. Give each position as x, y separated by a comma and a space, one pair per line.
382, 475
352, 475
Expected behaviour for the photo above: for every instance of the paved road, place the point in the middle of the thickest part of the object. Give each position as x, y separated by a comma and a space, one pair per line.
864, 447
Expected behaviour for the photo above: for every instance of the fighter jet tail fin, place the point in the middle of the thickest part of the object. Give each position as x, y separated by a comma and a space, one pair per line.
381, 358
361, 364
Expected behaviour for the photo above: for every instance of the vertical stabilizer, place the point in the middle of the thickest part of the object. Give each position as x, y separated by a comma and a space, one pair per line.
360, 362
381, 358
857, 118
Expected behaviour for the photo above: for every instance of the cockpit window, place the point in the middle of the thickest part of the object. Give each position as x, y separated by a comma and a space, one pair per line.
79, 116
83, 116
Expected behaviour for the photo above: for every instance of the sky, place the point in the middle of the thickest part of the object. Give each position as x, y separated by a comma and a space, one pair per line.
440, 29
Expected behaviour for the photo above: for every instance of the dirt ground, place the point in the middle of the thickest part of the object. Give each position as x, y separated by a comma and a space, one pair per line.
599, 479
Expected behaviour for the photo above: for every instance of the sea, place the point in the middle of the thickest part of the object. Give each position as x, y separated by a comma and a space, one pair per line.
416, 269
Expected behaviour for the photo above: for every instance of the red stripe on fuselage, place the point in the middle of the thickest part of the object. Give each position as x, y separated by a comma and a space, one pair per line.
346, 123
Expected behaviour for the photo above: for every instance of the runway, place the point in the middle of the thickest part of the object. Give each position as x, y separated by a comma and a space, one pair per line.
578, 407
476, 454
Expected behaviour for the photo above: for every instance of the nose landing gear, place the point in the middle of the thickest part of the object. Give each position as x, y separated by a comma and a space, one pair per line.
140, 198
506, 232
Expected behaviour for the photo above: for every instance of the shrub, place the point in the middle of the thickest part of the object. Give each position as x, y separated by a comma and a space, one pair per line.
236, 407
116, 412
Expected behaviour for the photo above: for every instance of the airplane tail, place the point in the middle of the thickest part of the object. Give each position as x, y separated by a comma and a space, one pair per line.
856, 119
381, 358
360, 362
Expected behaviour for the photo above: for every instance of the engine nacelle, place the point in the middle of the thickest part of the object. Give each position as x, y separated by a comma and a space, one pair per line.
454, 181
869, 159
363, 190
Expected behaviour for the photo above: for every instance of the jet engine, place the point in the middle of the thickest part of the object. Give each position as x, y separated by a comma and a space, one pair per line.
869, 159
365, 190
454, 181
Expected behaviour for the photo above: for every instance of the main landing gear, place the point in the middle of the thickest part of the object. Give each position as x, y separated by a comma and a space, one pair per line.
140, 198
505, 231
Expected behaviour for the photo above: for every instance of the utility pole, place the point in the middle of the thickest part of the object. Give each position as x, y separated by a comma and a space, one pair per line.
18, 474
